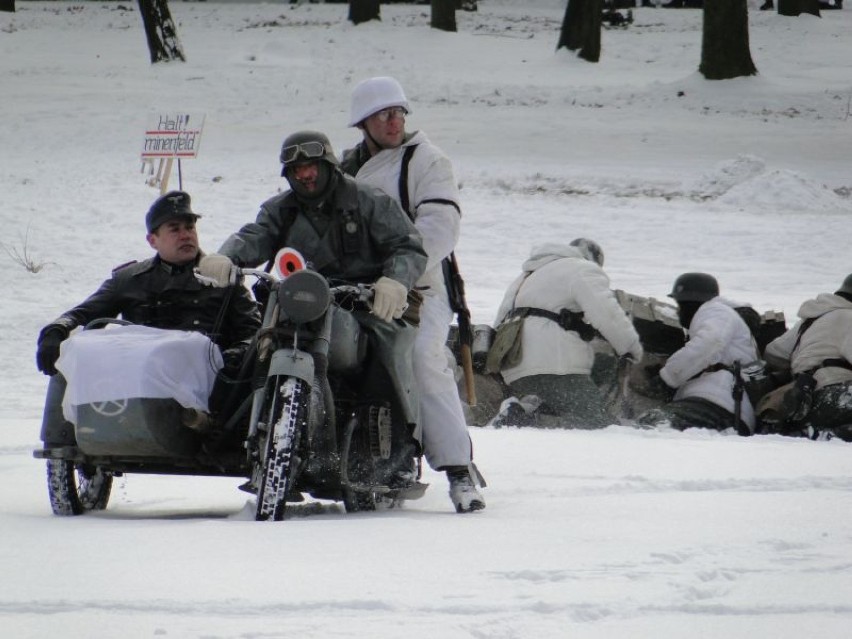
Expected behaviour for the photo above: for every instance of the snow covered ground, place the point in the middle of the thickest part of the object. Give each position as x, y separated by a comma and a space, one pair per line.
613, 533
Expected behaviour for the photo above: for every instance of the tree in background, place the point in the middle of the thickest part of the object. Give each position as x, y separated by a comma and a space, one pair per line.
444, 15
160, 30
364, 11
581, 29
7, 5
725, 53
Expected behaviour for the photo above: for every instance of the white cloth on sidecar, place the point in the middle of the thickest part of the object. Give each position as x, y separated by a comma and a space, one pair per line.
126, 362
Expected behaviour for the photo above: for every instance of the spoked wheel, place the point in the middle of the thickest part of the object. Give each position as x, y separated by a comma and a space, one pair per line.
284, 419
75, 489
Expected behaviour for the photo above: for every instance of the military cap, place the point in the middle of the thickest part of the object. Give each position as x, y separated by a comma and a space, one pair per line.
172, 205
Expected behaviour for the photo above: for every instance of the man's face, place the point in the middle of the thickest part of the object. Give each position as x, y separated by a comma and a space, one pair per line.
387, 127
176, 241
306, 173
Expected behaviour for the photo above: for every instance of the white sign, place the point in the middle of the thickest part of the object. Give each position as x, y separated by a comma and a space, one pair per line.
174, 135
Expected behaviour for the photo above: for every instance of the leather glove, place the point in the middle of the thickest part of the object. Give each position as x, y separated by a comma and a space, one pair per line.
657, 387
48, 350
389, 299
220, 270
233, 358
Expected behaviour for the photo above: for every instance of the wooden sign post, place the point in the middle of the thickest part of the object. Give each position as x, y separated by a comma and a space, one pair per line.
169, 136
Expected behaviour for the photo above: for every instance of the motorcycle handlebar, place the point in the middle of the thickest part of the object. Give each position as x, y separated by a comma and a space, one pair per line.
363, 292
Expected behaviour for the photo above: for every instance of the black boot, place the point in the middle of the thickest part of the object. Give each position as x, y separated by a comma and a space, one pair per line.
55, 431
769, 4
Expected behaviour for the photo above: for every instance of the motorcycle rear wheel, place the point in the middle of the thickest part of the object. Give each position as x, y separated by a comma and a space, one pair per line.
358, 468
285, 417
75, 490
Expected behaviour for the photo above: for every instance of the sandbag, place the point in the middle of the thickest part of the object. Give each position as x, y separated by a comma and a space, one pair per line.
788, 403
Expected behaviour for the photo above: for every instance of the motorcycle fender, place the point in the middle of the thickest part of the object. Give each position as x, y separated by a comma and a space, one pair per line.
292, 363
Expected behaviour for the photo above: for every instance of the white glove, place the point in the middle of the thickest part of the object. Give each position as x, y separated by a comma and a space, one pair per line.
636, 352
389, 299
218, 270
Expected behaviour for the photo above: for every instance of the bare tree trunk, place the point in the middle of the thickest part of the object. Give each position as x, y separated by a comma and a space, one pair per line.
364, 11
444, 15
160, 30
7, 5
725, 52
581, 29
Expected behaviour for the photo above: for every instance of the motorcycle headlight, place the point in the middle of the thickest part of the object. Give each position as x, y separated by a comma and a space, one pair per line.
304, 296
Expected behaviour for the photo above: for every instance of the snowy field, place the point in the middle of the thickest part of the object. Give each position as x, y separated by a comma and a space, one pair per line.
605, 534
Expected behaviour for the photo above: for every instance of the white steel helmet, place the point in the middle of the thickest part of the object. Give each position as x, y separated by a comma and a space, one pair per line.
590, 250
374, 94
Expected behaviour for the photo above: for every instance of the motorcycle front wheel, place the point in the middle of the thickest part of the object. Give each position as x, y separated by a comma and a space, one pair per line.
285, 416
74, 489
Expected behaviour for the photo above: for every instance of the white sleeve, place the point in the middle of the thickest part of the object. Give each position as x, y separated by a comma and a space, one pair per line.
602, 310
709, 336
435, 200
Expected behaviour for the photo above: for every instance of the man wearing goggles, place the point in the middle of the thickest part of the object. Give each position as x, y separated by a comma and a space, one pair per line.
345, 231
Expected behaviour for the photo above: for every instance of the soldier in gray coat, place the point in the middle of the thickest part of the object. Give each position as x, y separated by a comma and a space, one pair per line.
345, 231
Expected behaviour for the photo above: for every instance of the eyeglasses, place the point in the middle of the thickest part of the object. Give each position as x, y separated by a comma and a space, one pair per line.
391, 113
309, 150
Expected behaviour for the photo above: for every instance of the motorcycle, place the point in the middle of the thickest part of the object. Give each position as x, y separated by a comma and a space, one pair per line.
320, 417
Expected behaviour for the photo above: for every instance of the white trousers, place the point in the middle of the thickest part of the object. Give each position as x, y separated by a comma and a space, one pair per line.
445, 438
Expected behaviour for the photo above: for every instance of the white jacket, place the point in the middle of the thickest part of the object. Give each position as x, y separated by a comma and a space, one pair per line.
431, 190
829, 337
717, 335
557, 276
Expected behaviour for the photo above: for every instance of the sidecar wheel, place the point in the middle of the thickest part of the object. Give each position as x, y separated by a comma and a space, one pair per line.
74, 489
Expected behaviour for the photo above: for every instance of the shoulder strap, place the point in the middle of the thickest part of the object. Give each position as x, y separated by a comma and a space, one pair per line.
403, 186
403, 179
805, 326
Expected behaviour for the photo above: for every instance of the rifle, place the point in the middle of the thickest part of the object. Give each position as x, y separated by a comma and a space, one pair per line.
458, 304
737, 390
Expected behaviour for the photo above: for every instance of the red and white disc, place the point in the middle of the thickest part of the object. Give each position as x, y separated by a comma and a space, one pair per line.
287, 262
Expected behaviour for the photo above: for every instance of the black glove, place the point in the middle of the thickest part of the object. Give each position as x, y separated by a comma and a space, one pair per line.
233, 358
657, 387
48, 350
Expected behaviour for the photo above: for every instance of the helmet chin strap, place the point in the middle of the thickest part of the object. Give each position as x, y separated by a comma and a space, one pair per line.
370, 137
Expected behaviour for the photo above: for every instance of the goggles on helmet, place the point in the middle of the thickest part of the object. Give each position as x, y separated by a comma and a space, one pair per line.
309, 150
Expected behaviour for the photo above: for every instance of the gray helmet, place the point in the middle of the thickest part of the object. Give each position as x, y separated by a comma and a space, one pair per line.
846, 287
695, 287
307, 146
590, 249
